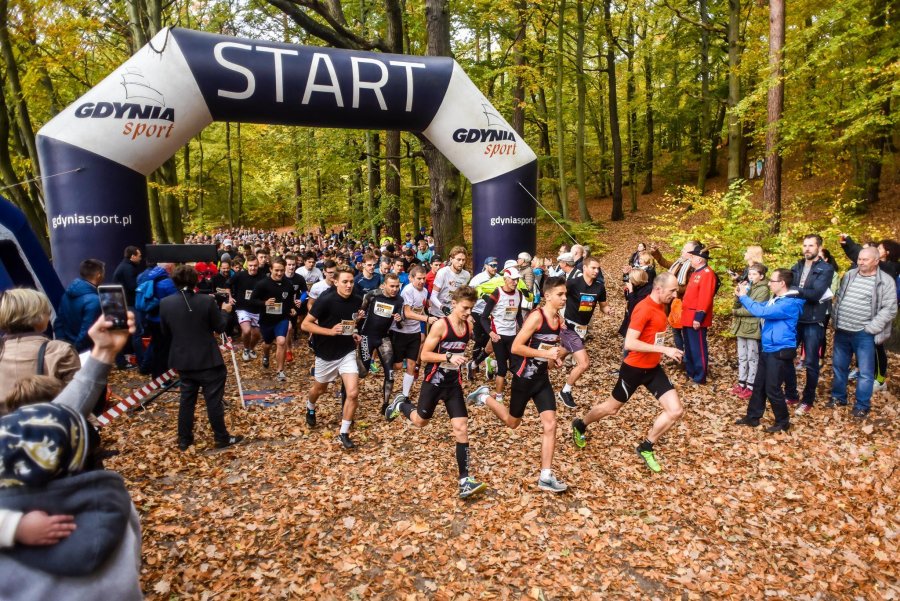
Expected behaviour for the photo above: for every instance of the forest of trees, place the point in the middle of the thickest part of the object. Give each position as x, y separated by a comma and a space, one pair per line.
609, 94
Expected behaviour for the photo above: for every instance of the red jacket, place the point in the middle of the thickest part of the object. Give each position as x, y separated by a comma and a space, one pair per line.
698, 298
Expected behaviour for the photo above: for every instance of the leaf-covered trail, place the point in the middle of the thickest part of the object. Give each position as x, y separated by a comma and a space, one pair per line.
736, 513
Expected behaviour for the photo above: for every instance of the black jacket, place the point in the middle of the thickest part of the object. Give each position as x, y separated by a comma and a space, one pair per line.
127, 274
817, 282
189, 321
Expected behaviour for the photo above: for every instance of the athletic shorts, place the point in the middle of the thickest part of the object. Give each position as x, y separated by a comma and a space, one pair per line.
406, 346
328, 371
247, 316
570, 341
525, 389
480, 337
430, 395
503, 353
632, 378
271, 332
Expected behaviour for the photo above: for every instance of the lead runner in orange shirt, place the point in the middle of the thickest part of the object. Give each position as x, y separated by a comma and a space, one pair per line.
644, 342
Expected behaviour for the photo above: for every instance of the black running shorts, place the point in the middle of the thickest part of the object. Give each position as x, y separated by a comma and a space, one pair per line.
431, 395
632, 378
406, 346
523, 390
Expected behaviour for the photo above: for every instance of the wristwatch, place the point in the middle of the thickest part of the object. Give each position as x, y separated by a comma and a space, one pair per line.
449, 356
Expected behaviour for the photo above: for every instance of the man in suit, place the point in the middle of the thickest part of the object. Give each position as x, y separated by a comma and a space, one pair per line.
189, 321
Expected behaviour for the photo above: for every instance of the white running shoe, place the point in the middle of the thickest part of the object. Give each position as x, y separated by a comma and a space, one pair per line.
551, 484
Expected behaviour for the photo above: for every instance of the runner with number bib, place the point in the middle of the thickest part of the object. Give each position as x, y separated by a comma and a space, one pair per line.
534, 350
645, 343
406, 336
383, 308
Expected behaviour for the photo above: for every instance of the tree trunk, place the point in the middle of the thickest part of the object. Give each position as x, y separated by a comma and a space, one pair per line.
446, 211
392, 138
373, 146
416, 194
240, 177
230, 174
560, 122
874, 155
518, 117
186, 195
581, 92
703, 136
169, 176
715, 137
648, 114
618, 213
774, 109
200, 180
634, 148
157, 225
734, 90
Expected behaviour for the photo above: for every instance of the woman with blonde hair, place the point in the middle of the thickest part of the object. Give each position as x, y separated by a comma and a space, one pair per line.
24, 350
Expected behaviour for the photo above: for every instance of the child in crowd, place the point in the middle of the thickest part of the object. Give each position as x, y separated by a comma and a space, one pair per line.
746, 328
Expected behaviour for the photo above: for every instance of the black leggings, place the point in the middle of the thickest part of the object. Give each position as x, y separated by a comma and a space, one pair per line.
503, 352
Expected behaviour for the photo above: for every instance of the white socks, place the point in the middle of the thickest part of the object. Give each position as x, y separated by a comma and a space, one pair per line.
345, 426
545, 474
408, 382
310, 406
567, 388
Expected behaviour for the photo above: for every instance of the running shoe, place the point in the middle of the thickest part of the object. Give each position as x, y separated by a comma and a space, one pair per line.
475, 399
853, 375
778, 428
860, 414
832, 403
649, 458
792, 402
228, 442
803, 409
490, 367
878, 387
470, 486
265, 361
311, 418
245, 355
393, 410
736, 389
746, 421
745, 393
280, 376
578, 431
289, 356
551, 484
470, 371
253, 354
346, 442
567, 399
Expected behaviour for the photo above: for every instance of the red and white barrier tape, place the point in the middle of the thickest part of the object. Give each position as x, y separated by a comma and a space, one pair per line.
227, 346
134, 399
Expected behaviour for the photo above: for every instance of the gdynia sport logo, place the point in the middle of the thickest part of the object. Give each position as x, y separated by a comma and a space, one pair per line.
144, 110
499, 140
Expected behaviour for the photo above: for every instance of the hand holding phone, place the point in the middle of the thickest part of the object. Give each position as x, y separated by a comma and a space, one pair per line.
114, 306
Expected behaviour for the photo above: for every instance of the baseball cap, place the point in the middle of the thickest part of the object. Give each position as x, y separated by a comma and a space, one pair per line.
525, 256
512, 272
490, 260
227, 242
566, 258
509, 263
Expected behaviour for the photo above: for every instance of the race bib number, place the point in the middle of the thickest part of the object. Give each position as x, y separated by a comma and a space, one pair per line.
509, 314
347, 327
660, 339
581, 331
247, 294
448, 365
383, 309
273, 309
544, 347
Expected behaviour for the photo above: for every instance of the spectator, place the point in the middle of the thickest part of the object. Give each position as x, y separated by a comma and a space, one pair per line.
696, 315
746, 329
126, 275
865, 305
80, 306
779, 347
813, 278
24, 350
159, 286
189, 321
423, 254
633, 260
681, 267
637, 288
101, 558
753, 254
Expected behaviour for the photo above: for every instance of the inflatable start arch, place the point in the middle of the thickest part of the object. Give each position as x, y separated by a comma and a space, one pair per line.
141, 114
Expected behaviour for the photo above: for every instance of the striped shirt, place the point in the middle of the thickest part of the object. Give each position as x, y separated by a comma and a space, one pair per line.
856, 305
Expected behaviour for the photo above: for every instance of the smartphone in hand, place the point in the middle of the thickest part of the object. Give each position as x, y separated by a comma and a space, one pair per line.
113, 305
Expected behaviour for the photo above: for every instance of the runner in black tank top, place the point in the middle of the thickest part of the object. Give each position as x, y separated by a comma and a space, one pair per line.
534, 349
444, 352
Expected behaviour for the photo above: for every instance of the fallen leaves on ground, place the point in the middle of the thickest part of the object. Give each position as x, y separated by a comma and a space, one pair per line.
735, 513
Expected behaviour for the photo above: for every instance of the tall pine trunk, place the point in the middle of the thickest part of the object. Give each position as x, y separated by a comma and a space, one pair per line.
774, 109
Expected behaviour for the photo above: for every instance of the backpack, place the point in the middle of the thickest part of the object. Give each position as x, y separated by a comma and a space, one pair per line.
145, 300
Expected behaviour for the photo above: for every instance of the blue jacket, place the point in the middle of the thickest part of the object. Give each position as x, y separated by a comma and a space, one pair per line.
78, 310
817, 282
780, 315
164, 287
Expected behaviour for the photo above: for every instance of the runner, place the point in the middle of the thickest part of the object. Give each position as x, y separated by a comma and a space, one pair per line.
273, 298
324, 285
444, 352
585, 291
482, 340
309, 271
383, 308
448, 279
368, 279
332, 319
406, 336
298, 283
645, 345
242, 285
501, 319
534, 350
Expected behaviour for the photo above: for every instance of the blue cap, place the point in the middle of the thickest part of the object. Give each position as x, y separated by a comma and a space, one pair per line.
490, 260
